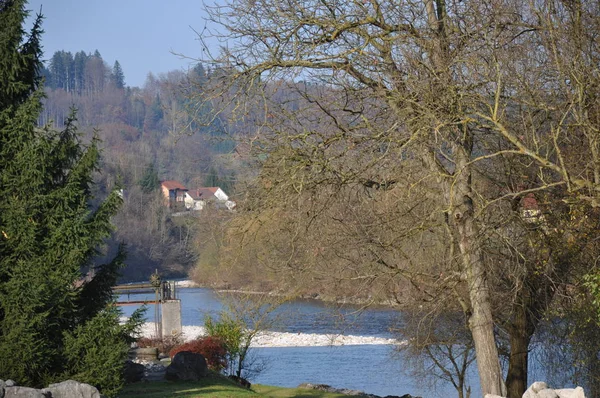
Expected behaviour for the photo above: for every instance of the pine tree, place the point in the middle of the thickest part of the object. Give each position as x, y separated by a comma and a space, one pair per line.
118, 76
149, 181
49, 232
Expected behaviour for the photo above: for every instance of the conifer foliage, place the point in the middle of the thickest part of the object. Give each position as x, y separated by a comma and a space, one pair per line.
49, 234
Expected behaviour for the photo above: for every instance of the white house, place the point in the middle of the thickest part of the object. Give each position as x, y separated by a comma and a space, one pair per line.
197, 199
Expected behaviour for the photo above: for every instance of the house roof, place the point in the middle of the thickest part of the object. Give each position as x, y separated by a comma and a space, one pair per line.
203, 193
172, 184
529, 202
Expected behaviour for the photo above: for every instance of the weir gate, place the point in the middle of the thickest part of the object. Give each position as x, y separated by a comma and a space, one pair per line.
167, 305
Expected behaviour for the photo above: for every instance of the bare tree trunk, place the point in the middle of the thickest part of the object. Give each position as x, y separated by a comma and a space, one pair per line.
519, 334
480, 321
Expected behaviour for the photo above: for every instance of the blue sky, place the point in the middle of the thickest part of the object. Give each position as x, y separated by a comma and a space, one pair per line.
140, 34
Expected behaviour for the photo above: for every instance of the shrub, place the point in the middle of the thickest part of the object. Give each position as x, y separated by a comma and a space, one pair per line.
96, 351
211, 348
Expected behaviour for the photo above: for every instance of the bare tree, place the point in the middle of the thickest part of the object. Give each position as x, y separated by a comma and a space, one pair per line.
420, 127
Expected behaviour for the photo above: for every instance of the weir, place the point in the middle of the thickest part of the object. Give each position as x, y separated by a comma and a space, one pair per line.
167, 306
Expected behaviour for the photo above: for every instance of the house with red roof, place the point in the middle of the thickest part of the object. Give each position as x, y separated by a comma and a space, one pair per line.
174, 193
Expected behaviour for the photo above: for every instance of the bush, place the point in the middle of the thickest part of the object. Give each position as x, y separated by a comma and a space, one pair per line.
96, 351
211, 348
164, 345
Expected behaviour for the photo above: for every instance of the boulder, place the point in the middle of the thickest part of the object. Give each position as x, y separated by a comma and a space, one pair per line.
2, 386
570, 393
23, 392
320, 387
154, 372
547, 393
532, 391
401, 396
240, 380
73, 389
188, 366
133, 372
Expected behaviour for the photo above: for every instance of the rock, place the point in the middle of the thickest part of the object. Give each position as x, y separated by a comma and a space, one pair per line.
532, 391
188, 366
22, 392
10, 383
320, 387
570, 393
240, 380
2, 386
541, 390
401, 396
547, 393
154, 372
538, 386
492, 396
73, 389
133, 372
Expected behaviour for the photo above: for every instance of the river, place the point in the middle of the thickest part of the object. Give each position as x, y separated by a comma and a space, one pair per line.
374, 369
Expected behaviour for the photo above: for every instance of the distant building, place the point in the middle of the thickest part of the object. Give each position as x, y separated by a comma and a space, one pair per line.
197, 199
530, 209
174, 193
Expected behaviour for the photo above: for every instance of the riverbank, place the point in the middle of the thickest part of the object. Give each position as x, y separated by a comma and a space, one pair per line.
219, 387
188, 283
286, 339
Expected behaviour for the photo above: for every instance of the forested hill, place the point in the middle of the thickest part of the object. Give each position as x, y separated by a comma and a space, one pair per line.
146, 132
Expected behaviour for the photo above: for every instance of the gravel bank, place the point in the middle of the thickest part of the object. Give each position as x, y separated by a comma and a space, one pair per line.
284, 339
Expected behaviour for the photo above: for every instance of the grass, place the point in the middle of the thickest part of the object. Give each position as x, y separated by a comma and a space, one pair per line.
216, 386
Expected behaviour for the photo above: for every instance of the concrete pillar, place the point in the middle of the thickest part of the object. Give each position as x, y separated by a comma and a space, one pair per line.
171, 318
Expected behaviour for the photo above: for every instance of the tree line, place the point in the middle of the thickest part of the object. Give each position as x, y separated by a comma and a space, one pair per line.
82, 73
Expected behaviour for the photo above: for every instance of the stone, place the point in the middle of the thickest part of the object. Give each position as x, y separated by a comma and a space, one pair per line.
10, 383
538, 386
547, 393
571, 393
492, 396
532, 391
133, 372
320, 387
23, 392
187, 366
154, 372
241, 381
73, 389
2, 386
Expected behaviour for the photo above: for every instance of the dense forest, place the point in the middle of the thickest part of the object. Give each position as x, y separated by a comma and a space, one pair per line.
147, 134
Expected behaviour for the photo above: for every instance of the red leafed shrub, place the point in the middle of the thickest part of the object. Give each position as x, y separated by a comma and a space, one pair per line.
211, 348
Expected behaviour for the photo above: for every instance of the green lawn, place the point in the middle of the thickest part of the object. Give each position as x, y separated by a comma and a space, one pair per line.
216, 386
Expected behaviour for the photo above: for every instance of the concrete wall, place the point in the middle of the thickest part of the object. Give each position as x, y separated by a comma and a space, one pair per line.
171, 317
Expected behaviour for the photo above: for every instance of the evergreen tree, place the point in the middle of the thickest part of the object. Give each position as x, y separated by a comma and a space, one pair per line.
62, 68
118, 76
49, 232
155, 113
79, 62
149, 181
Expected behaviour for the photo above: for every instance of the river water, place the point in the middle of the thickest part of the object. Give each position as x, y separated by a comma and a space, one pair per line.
374, 369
